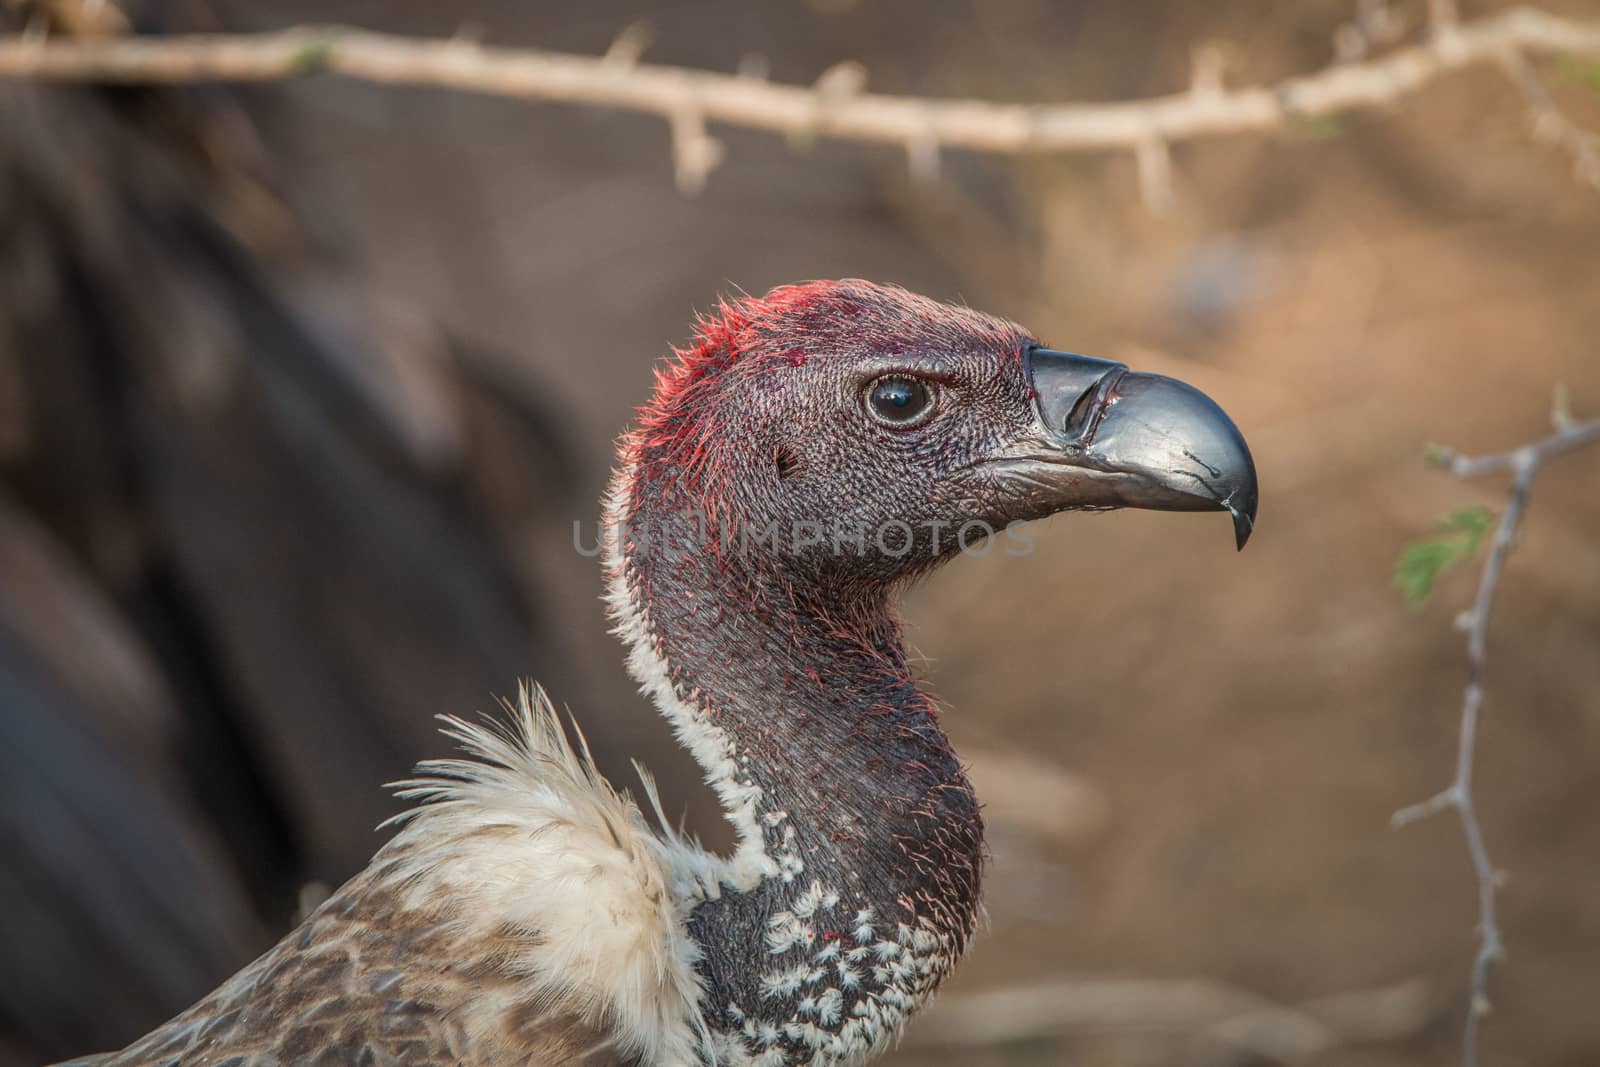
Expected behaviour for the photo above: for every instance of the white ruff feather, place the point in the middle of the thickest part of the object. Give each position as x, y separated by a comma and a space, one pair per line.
696, 870
524, 834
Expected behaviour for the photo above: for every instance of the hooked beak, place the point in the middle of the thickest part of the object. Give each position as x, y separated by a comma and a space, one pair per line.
1110, 437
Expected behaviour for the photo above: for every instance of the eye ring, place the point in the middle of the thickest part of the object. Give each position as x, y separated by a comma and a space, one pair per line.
899, 401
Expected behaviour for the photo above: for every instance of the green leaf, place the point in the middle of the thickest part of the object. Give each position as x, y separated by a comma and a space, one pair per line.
1474, 522
1317, 127
313, 55
1582, 71
1421, 562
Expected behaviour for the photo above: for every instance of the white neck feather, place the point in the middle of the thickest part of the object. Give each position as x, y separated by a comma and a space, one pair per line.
698, 871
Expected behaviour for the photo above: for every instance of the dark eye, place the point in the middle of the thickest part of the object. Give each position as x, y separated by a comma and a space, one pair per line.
899, 401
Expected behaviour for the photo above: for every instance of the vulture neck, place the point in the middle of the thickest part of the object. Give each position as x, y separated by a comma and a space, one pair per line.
854, 884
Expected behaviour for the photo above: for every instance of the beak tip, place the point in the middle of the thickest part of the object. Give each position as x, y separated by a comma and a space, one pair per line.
1244, 524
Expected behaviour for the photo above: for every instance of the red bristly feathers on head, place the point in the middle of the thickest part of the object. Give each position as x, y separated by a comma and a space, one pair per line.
672, 431
678, 433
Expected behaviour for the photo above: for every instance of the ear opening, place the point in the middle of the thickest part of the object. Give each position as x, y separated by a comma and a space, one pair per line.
786, 461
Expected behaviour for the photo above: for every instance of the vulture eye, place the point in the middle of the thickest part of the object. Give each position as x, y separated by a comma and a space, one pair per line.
899, 402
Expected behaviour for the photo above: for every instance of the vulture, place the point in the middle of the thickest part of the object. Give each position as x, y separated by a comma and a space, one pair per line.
805, 457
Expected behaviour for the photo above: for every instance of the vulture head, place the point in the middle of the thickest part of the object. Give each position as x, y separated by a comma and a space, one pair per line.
849, 432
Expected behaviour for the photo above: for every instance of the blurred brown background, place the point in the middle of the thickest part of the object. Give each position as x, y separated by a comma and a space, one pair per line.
302, 389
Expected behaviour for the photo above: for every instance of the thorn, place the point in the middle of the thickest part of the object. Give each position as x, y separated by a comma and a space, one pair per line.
630, 44
1466, 620
922, 157
1445, 798
1546, 126
840, 81
1561, 410
1378, 22
1349, 44
1444, 18
695, 153
1208, 64
1481, 1006
832, 87
1155, 175
755, 66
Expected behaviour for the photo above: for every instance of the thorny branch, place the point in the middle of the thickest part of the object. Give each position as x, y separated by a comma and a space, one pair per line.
1551, 124
838, 105
1524, 463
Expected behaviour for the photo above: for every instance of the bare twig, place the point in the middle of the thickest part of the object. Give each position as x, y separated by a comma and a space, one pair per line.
691, 99
1202, 1008
1569, 434
1551, 124
1524, 463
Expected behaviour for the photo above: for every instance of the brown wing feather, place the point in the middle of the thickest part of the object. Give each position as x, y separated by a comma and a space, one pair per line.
365, 982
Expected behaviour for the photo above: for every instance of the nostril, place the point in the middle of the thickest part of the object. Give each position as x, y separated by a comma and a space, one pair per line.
1070, 390
1078, 418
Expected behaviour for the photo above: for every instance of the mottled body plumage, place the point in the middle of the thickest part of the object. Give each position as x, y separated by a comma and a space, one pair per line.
522, 915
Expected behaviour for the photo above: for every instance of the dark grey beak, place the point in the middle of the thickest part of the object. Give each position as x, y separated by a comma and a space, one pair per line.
1118, 438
